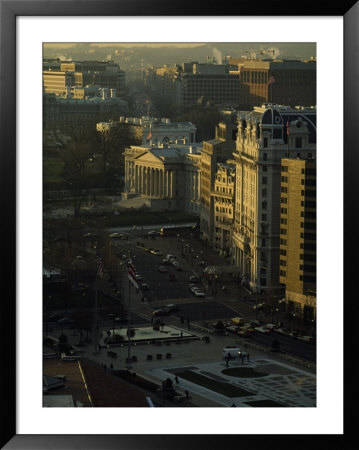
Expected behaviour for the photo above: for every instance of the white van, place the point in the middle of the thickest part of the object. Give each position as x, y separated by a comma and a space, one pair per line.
233, 352
170, 257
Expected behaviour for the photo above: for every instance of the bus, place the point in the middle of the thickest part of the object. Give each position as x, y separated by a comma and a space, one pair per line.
172, 230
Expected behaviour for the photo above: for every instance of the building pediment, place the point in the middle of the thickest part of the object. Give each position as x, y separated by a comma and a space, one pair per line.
148, 158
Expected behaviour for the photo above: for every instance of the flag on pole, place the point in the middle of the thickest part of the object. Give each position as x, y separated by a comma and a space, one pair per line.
132, 275
271, 80
149, 135
100, 266
287, 128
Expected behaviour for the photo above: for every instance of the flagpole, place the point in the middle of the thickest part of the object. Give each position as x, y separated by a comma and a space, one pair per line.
287, 129
96, 350
99, 273
129, 366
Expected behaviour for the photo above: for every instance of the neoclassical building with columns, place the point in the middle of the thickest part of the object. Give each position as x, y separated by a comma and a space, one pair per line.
167, 177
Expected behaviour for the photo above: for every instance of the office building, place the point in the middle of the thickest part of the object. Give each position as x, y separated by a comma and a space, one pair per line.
223, 199
266, 135
195, 84
298, 236
217, 150
282, 82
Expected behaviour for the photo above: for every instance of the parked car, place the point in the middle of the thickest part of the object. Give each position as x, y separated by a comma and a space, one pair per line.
163, 269
262, 330
121, 319
90, 235
156, 252
116, 235
256, 323
244, 332
308, 339
236, 320
166, 262
65, 320
153, 233
259, 306
138, 277
171, 307
270, 326
194, 279
144, 287
199, 293
160, 312
248, 327
194, 289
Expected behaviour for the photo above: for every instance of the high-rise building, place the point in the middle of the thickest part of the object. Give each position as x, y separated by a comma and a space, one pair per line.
223, 197
266, 135
282, 82
105, 74
57, 83
298, 236
196, 84
217, 150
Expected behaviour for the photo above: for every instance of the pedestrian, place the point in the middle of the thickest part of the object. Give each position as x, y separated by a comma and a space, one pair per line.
242, 356
176, 379
111, 366
247, 356
104, 367
187, 395
227, 361
181, 334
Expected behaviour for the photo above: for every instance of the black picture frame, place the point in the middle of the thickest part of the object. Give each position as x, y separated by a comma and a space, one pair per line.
10, 9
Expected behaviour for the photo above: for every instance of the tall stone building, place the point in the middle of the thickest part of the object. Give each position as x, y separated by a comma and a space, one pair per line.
217, 150
223, 198
298, 236
262, 142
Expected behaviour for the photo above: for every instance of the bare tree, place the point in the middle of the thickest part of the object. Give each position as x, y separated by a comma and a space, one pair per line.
76, 156
112, 142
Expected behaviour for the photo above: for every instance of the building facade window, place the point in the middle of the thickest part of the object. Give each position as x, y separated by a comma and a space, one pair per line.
298, 142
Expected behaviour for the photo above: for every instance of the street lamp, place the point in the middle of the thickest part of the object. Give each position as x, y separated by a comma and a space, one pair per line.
293, 315
113, 327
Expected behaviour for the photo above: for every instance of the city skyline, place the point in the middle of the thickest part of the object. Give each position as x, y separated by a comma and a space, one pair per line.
163, 183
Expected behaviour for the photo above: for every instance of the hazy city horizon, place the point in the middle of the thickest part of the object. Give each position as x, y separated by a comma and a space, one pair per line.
179, 224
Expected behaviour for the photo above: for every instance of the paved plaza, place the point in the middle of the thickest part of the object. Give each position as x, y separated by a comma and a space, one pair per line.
282, 384
266, 379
